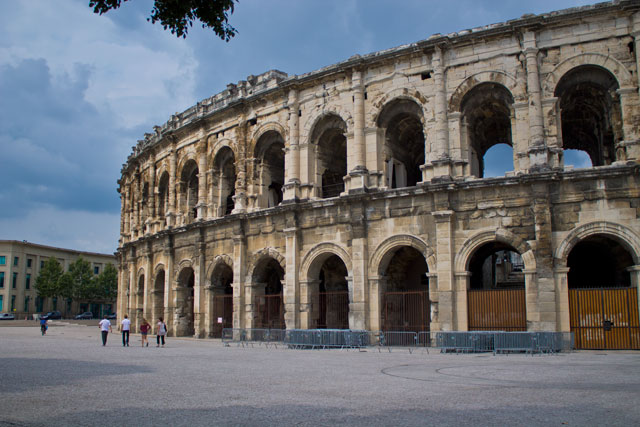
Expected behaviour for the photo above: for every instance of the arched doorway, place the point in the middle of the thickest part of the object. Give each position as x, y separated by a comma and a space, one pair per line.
405, 292
496, 295
270, 156
269, 308
135, 320
157, 300
589, 112
330, 142
163, 197
189, 191
486, 121
330, 299
401, 121
184, 326
224, 180
603, 306
222, 295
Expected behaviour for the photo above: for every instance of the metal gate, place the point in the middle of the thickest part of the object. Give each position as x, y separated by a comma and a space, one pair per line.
406, 311
334, 310
269, 312
605, 318
222, 314
496, 310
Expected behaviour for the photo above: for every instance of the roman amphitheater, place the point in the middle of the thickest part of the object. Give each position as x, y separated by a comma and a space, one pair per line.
357, 196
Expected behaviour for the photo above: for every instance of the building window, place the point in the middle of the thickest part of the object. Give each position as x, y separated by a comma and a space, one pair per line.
1, 297
39, 303
29, 262
96, 270
26, 304
27, 282
1, 279
41, 264
3, 260
15, 261
14, 282
13, 302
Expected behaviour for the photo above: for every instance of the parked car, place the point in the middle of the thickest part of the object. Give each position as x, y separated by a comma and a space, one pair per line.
112, 316
7, 316
85, 315
52, 315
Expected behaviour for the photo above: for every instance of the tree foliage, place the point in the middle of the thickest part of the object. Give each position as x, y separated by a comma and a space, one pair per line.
178, 15
107, 282
48, 281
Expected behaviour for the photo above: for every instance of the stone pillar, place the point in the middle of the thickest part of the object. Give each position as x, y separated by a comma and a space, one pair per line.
309, 303
132, 289
201, 207
538, 153
171, 212
199, 324
169, 298
628, 147
533, 297
358, 289
445, 251
291, 188
634, 273
130, 214
126, 233
358, 170
377, 285
291, 288
441, 160
461, 287
546, 304
148, 285
239, 269
434, 315
562, 299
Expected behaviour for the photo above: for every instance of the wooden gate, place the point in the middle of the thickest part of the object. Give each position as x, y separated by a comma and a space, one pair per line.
222, 314
496, 310
605, 318
406, 311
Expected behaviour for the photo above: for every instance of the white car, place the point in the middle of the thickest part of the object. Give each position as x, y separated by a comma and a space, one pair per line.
7, 316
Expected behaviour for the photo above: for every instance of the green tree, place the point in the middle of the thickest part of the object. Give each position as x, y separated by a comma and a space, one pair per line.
48, 281
178, 15
77, 283
107, 283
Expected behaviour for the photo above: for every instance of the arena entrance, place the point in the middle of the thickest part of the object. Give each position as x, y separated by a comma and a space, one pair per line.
269, 307
185, 294
496, 295
405, 300
603, 307
222, 307
333, 295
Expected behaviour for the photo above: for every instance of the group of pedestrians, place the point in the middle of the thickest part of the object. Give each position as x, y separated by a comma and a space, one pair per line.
125, 328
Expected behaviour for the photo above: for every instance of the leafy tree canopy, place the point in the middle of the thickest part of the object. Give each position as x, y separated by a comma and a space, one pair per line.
107, 282
178, 15
47, 282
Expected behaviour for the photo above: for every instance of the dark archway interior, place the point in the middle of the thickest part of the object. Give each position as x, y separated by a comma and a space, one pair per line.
163, 194
597, 262
189, 185
269, 305
271, 274
404, 137
333, 298
486, 112
329, 135
186, 282
270, 153
221, 280
496, 265
407, 271
222, 313
590, 112
225, 171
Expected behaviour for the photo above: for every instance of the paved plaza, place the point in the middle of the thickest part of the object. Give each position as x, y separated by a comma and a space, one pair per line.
68, 378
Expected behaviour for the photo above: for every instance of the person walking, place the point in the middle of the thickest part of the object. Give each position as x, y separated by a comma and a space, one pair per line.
161, 332
105, 327
144, 330
126, 328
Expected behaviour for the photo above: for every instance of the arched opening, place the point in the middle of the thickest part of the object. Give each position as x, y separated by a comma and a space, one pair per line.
401, 121
498, 160
405, 293
589, 111
224, 177
576, 159
496, 294
189, 191
163, 195
184, 303
330, 142
267, 281
603, 307
157, 299
486, 121
330, 300
222, 294
270, 155
145, 209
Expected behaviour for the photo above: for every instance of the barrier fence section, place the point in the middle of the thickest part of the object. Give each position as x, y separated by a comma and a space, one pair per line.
504, 342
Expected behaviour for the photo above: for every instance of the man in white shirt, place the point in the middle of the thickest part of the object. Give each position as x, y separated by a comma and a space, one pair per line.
105, 327
125, 328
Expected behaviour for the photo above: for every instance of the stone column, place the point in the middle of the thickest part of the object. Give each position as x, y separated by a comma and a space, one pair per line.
358, 289
148, 285
199, 291
357, 159
309, 303
291, 188
445, 251
546, 304
171, 212
634, 273
563, 323
291, 289
441, 160
169, 298
628, 147
201, 207
126, 233
377, 285
239, 269
461, 287
538, 153
132, 289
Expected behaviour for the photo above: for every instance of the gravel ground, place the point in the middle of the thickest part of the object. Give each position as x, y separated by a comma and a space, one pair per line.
68, 378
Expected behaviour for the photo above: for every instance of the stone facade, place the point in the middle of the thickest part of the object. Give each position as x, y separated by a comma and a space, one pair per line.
367, 176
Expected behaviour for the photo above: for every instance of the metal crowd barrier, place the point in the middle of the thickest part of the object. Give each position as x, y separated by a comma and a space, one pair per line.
326, 338
504, 342
249, 337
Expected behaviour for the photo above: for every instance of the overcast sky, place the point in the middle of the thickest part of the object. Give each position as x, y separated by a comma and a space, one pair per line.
77, 90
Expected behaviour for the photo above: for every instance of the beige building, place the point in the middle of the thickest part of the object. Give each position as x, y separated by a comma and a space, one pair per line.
356, 196
20, 264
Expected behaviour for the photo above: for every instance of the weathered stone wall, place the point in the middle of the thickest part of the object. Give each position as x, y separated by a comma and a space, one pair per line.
195, 193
